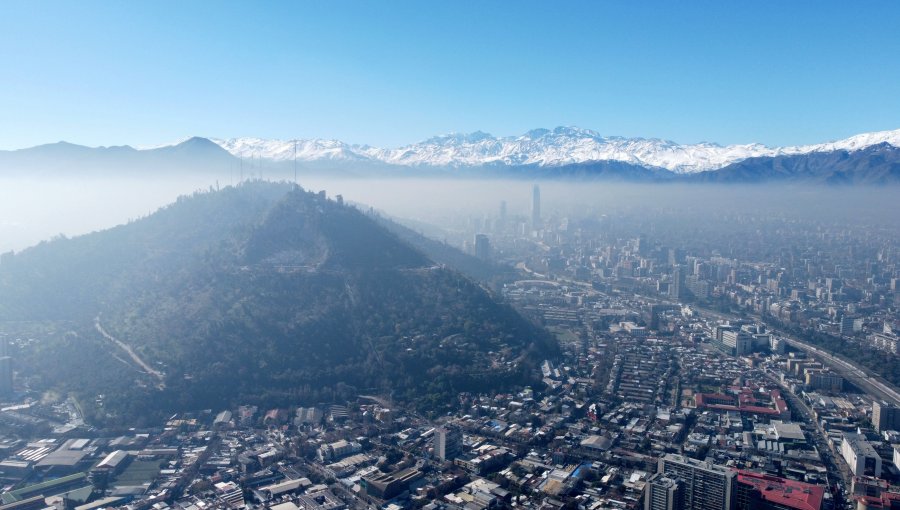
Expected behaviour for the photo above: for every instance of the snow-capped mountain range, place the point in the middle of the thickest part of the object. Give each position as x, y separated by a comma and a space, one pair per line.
543, 148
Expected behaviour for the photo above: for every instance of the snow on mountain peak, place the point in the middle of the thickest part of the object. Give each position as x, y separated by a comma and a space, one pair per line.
458, 138
540, 147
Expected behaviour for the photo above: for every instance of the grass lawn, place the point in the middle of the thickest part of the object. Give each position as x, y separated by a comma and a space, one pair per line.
563, 335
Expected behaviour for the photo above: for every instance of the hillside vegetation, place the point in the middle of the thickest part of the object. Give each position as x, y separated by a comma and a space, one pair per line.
265, 294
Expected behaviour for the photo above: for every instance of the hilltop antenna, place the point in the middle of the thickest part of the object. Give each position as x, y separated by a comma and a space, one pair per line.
295, 161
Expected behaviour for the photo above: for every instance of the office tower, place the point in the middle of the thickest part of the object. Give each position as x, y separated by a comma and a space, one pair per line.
706, 486
6, 375
677, 285
503, 211
482, 247
885, 416
641, 245
846, 325
663, 493
448, 442
536, 207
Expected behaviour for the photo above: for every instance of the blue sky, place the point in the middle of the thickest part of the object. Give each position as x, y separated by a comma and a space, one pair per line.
390, 73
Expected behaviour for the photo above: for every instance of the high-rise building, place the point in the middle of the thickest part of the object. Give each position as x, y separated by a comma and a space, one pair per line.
885, 416
448, 442
861, 456
846, 325
663, 493
641, 245
482, 246
738, 342
6, 375
706, 486
697, 286
677, 285
536, 207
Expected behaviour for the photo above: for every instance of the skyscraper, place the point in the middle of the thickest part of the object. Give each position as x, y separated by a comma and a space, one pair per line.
482, 246
448, 442
6, 375
706, 486
536, 207
676, 288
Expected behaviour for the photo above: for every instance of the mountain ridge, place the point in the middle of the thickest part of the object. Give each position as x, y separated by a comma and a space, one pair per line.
190, 155
561, 153
560, 146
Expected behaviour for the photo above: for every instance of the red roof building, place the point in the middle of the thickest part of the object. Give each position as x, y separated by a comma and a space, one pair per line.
769, 403
886, 501
766, 492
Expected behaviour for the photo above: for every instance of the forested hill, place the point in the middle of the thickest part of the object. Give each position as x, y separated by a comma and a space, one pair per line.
263, 294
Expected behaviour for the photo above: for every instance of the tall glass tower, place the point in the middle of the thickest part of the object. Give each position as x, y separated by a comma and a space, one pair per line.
536, 207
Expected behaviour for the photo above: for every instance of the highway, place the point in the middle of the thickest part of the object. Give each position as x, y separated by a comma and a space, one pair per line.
873, 385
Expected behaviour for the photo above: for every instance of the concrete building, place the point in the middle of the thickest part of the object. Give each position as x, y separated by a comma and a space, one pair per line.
885, 341
6, 375
676, 287
482, 246
846, 325
738, 341
818, 379
663, 493
706, 486
389, 485
860, 456
885, 416
338, 449
536, 207
230, 494
757, 491
448, 443
697, 286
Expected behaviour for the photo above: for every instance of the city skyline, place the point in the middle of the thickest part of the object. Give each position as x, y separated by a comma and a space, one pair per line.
355, 255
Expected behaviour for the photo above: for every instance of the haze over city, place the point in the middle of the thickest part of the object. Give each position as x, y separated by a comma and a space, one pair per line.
457, 256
